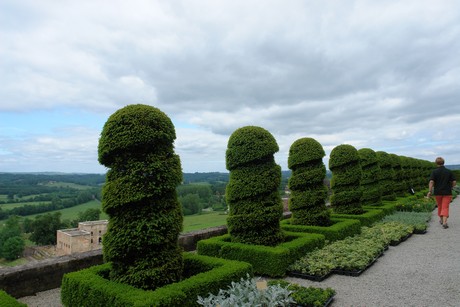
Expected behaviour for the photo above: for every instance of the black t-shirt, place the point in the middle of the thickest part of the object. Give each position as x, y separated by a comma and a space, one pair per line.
442, 178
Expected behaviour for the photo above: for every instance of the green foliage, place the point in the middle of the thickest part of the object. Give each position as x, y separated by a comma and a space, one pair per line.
352, 253
266, 260
399, 186
246, 293
308, 192
91, 287
387, 175
249, 144
45, 227
416, 204
344, 162
191, 204
340, 228
13, 248
306, 296
367, 218
145, 216
252, 191
370, 185
8, 300
418, 220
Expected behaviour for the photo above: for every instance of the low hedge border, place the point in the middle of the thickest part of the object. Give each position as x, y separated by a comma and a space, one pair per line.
202, 275
8, 300
387, 206
341, 228
369, 217
266, 260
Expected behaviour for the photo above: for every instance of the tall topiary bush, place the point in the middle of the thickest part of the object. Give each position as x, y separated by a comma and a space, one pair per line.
386, 175
370, 184
308, 192
345, 181
145, 217
255, 207
399, 184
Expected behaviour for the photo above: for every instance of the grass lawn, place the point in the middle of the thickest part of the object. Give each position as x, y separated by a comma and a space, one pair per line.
15, 205
204, 220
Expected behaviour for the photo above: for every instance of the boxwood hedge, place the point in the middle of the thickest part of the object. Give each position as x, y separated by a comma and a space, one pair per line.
307, 202
145, 217
370, 185
255, 206
345, 181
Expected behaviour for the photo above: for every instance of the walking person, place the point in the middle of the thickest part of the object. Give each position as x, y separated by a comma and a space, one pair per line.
442, 180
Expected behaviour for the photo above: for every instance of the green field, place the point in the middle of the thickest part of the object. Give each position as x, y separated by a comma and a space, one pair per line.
15, 205
191, 222
58, 184
204, 220
72, 213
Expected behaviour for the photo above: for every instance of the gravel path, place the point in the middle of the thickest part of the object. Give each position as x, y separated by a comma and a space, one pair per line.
422, 271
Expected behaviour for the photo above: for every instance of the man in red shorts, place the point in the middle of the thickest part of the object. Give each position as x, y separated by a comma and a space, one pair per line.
442, 180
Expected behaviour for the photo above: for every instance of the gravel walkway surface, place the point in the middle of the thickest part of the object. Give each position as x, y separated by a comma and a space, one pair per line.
422, 271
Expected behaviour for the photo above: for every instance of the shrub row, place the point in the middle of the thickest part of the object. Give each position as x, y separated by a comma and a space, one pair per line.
266, 260
202, 275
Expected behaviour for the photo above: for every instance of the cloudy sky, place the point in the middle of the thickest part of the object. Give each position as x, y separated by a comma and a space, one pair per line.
378, 74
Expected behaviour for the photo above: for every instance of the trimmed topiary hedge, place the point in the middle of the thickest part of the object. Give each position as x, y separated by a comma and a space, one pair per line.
202, 275
399, 185
145, 217
345, 181
370, 184
367, 218
266, 260
252, 191
386, 175
307, 202
8, 300
340, 228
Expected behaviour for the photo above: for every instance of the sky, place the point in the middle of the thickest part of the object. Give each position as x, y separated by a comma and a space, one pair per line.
375, 74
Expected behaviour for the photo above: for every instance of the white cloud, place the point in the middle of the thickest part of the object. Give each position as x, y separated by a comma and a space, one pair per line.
372, 74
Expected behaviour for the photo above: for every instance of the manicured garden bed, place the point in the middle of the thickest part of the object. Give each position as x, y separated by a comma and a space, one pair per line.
340, 229
266, 260
350, 256
201, 275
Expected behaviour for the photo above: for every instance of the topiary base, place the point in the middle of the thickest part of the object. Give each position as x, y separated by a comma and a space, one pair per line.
202, 275
340, 229
266, 260
367, 218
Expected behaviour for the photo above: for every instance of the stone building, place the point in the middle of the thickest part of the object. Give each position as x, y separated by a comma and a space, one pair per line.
88, 236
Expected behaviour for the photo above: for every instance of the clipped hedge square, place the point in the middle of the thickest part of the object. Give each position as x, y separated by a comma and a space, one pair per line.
340, 229
266, 260
203, 275
8, 300
367, 218
388, 207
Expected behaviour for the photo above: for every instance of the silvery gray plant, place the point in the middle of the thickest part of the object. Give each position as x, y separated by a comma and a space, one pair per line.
246, 294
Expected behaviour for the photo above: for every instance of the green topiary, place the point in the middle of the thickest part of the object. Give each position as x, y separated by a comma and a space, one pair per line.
370, 185
145, 217
345, 181
308, 192
399, 184
252, 191
386, 175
